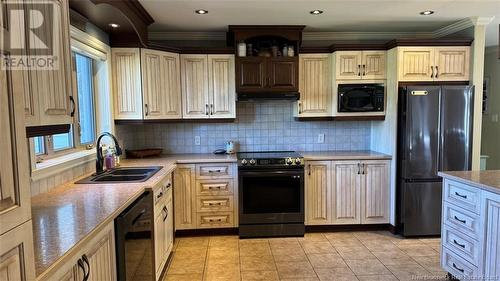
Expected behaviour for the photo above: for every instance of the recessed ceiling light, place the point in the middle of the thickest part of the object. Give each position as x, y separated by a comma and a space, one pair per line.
427, 13
114, 25
316, 12
201, 12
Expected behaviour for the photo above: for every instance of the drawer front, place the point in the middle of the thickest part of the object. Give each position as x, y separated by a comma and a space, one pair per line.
161, 191
214, 171
461, 244
465, 221
214, 203
214, 187
462, 195
215, 220
457, 266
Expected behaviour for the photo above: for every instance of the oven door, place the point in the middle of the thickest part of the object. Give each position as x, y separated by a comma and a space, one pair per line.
271, 196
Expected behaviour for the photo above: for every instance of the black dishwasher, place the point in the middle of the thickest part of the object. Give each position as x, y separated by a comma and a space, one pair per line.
134, 240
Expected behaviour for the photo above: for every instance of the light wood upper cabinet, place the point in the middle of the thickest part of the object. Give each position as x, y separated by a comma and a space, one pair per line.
315, 85
451, 63
208, 89
194, 77
161, 84
222, 92
375, 192
433, 63
346, 189
127, 92
184, 194
356, 65
16, 254
318, 195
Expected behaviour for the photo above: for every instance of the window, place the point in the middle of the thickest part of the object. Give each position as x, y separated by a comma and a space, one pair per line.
83, 132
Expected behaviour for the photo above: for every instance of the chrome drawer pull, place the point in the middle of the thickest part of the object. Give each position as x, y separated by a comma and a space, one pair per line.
462, 221
458, 244
458, 268
460, 195
214, 171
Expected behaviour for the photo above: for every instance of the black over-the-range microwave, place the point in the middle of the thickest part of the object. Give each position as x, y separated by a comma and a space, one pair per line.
361, 97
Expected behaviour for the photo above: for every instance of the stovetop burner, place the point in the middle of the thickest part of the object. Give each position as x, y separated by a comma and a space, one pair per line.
270, 158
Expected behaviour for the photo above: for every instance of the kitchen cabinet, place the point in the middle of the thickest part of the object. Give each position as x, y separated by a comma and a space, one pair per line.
16, 254
207, 86
184, 194
356, 65
318, 195
433, 63
163, 225
315, 86
48, 93
126, 78
375, 192
160, 72
347, 192
492, 235
261, 74
95, 259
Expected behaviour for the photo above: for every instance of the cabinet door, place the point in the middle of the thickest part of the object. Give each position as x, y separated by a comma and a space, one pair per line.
101, 256
318, 195
51, 89
15, 194
161, 85
283, 73
315, 85
375, 192
373, 65
221, 86
492, 234
348, 65
160, 239
416, 63
452, 63
184, 194
126, 76
346, 192
194, 85
169, 228
251, 74
16, 254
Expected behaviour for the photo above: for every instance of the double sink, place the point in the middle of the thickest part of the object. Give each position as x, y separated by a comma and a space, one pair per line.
122, 175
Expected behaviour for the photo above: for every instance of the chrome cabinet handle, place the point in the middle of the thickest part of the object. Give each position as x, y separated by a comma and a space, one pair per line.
432, 71
458, 244
147, 109
437, 72
359, 69
458, 268
460, 195
73, 106
462, 221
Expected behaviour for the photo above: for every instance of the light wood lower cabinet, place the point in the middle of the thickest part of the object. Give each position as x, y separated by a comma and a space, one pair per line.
492, 235
205, 196
95, 259
347, 192
16, 254
163, 229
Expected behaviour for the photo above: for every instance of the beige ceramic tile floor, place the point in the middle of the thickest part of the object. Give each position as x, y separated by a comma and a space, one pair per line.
374, 255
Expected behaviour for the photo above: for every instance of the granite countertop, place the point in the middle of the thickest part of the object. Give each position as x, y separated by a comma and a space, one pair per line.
344, 155
66, 216
487, 180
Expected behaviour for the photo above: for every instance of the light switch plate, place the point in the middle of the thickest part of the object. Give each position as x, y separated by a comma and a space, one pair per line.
197, 140
321, 138
494, 118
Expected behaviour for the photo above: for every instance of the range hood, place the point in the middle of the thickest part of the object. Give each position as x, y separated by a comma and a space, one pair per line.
252, 96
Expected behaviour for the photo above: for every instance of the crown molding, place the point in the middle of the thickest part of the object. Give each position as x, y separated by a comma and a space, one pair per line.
480, 20
186, 36
452, 28
328, 36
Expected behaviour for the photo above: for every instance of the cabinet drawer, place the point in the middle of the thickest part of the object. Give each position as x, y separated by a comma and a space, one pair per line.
463, 220
214, 220
462, 195
214, 203
213, 171
457, 266
461, 244
214, 187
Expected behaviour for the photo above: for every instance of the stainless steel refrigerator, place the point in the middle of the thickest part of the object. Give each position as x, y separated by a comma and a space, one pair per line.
434, 134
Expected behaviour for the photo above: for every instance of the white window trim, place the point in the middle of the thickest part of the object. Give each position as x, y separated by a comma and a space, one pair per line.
96, 49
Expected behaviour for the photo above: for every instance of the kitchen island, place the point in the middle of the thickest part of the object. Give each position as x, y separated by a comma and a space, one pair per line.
470, 231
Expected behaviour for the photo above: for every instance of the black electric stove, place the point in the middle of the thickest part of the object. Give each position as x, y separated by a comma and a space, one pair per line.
271, 194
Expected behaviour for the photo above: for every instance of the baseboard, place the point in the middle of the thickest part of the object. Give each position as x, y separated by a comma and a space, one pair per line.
348, 227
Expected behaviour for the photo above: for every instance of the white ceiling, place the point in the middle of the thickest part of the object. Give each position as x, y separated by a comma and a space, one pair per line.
339, 16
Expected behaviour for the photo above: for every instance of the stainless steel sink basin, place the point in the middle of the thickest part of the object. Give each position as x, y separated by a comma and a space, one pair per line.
122, 175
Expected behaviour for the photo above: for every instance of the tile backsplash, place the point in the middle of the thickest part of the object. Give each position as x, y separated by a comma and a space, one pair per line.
259, 126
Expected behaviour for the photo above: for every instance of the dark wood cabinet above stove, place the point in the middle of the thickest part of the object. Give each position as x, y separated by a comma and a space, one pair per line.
267, 74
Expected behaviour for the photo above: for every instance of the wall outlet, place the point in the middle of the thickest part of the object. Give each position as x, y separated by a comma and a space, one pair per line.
494, 118
197, 140
321, 138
